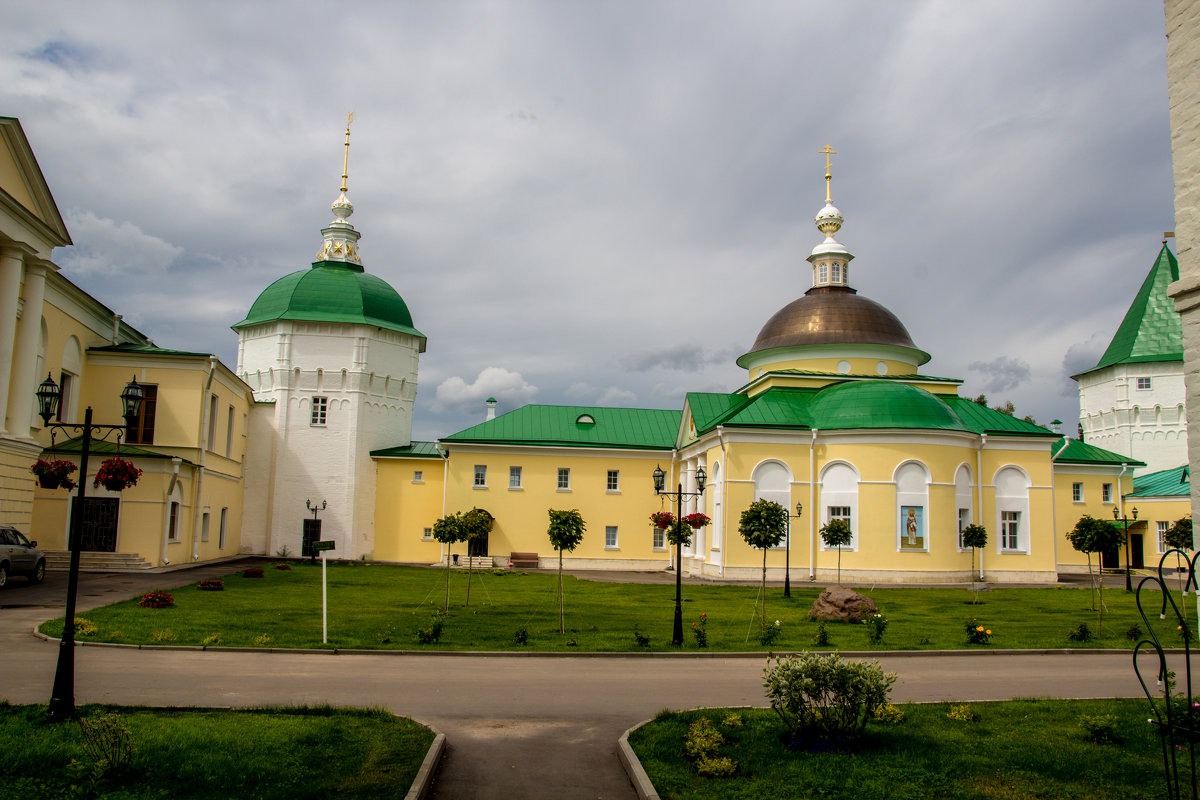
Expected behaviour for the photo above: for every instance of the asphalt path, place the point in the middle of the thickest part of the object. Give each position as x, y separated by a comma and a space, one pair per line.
523, 726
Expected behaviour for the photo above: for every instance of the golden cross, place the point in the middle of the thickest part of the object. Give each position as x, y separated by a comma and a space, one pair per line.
828, 151
346, 157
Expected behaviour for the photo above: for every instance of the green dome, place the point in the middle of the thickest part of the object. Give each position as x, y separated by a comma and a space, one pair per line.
333, 291
881, 404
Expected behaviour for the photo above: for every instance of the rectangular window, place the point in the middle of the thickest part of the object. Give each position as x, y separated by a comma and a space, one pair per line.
204, 527
1010, 530
1143, 383
1077, 492
173, 523
1161, 527
320, 409
418, 476
964, 519
564, 479
229, 434
822, 273
840, 512
66, 400
610, 537
142, 431
514, 477
221, 532
660, 539
614, 480
1106, 492
211, 444
481, 476
427, 534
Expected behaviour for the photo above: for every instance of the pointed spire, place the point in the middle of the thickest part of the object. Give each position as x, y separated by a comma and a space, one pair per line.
1151, 330
340, 237
830, 259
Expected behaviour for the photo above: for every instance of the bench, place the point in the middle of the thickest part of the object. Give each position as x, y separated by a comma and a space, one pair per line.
523, 560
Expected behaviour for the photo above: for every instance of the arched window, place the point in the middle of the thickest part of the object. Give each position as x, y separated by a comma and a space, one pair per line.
839, 497
912, 506
835, 276
963, 500
1012, 510
715, 486
68, 383
773, 481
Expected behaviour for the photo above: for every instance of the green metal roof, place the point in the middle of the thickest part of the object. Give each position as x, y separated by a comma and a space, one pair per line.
881, 404
709, 409
1176, 482
414, 450
982, 419
873, 377
143, 349
333, 291
566, 426
1151, 330
103, 447
1079, 453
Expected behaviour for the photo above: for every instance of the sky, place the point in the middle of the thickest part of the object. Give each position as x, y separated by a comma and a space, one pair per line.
601, 203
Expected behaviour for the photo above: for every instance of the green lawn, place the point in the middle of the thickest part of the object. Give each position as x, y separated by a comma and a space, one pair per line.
381, 607
182, 754
1020, 749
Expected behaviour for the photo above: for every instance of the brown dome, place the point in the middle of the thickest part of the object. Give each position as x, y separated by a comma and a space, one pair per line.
832, 315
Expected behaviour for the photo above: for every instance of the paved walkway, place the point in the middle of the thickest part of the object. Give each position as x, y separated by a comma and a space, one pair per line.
528, 727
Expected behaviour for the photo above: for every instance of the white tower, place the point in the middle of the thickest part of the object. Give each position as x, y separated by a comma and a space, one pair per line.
331, 354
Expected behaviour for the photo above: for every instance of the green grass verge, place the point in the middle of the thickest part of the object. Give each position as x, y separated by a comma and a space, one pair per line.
381, 607
257, 753
1018, 749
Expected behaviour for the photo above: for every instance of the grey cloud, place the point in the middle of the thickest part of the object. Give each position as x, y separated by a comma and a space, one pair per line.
1001, 374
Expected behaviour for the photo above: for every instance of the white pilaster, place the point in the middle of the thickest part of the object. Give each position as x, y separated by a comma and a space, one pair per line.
29, 333
11, 264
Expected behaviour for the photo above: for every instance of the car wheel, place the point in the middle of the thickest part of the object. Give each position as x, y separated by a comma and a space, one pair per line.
3, 575
39, 572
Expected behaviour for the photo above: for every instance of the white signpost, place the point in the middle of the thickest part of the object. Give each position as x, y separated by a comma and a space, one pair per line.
323, 547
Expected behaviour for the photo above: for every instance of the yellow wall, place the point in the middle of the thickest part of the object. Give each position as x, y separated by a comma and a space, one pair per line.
404, 508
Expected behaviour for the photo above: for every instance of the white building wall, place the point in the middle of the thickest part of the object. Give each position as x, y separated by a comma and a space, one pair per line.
1146, 424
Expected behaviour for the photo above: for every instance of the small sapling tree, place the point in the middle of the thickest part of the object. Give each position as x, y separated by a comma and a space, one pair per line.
1091, 535
449, 531
1179, 537
476, 524
763, 526
975, 537
837, 533
565, 532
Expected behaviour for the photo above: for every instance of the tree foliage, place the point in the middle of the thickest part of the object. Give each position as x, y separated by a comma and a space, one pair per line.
1091, 535
449, 531
975, 537
566, 532
1179, 535
837, 533
475, 524
763, 525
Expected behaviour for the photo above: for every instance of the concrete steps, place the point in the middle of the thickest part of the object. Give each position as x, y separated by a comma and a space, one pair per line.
60, 560
477, 562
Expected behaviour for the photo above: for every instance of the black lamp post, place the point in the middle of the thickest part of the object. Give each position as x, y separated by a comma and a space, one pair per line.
62, 696
1117, 514
679, 494
787, 552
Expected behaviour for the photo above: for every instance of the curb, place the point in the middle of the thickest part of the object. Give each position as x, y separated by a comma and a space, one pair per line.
433, 758
633, 766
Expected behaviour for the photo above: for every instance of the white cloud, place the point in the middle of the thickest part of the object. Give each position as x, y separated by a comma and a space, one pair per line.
616, 397
509, 388
105, 247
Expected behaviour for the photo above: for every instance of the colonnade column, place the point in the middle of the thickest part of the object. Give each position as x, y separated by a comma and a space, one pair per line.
12, 259
28, 339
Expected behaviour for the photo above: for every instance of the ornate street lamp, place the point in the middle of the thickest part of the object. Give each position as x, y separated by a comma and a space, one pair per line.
787, 552
62, 695
1117, 514
679, 494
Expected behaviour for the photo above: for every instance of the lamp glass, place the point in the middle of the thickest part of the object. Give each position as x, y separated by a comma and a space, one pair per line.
701, 479
799, 509
132, 399
659, 479
48, 396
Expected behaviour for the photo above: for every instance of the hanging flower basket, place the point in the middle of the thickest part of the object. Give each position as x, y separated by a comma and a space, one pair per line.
54, 474
117, 474
696, 521
662, 519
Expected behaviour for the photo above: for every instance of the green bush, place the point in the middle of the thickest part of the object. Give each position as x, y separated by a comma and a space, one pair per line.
977, 632
876, 625
521, 635
1100, 729
825, 697
1081, 633
431, 631
701, 746
962, 713
767, 635
639, 637
821, 637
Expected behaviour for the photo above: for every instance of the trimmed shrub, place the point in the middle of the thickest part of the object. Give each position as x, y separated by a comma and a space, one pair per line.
823, 697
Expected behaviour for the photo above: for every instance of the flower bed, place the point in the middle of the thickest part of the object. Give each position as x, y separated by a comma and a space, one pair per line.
252, 572
156, 600
283, 566
211, 586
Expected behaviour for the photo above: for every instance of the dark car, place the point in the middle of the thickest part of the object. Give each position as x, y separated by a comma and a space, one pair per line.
19, 556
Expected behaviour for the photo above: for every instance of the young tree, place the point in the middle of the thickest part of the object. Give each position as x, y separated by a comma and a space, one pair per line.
975, 537
476, 524
448, 530
837, 533
565, 532
1179, 537
1091, 535
763, 526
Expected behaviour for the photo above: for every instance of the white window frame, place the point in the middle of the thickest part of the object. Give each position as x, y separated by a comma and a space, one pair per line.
1160, 528
211, 444
658, 541
964, 519
320, 411
480, 481
1144, 383
427, 534
822, 273
563, 483
204, 525
174, 511
610, 538
843, 496
418, 476
613, 481
1010, 531
1106, 492
514, 478
835, 272
224, 527
1077, 492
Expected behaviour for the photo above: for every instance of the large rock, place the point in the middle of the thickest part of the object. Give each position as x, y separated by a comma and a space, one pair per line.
840, 603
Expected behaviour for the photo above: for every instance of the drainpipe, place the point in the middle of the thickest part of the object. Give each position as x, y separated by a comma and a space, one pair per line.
1054, 498
205, 424
175, 462
445, 454
1120, 492
979, 490
812, 508
724, 497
